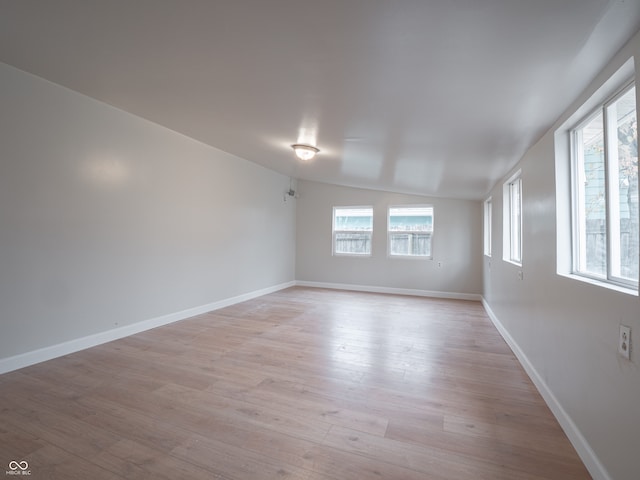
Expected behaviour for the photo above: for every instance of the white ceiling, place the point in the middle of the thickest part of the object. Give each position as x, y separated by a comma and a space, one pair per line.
418, 96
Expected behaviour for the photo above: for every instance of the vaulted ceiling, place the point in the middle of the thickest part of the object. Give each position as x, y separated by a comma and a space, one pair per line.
434, 97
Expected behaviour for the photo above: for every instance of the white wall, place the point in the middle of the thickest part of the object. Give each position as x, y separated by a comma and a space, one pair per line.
456, 243
107, 219
566, 331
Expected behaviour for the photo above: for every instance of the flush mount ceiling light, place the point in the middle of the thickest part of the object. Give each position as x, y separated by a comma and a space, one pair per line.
304, 152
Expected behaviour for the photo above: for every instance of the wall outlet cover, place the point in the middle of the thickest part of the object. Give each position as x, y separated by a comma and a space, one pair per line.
624, 342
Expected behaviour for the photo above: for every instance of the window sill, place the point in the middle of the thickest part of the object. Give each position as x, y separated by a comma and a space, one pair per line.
602, 284
512, 262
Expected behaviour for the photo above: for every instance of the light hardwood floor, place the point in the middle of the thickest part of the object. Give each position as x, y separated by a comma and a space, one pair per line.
300, 384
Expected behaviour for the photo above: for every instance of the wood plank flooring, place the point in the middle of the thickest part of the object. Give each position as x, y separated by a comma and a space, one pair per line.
301, 384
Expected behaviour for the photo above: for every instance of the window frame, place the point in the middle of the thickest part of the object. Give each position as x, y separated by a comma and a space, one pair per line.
611, 195
512, 227
409, 232
334, 232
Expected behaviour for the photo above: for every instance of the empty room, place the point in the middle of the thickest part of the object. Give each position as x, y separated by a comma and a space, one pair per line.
319, 240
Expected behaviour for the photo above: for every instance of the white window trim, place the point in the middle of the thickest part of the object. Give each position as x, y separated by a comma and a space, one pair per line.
389, 233
507, 231
333, 232
588, 102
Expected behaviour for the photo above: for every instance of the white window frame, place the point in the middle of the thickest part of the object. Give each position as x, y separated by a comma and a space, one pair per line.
334, 232
512, 219
390, 254
487, 222
611, 196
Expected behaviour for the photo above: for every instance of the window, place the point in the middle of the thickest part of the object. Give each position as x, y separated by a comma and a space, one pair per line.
410, 230
604, 148
352, 230
512, 198
487, 226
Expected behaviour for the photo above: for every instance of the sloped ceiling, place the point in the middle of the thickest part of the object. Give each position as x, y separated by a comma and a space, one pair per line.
417, 96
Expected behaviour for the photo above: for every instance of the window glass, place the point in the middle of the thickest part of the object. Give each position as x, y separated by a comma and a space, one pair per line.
623, 165
592, 216
515, 208
352, 230
488, 213
410, 231
512, 219
605, 194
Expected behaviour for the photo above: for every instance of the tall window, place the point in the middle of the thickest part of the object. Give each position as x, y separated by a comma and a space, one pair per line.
410, 230
512, 201
352, 230
605, 192
487, 226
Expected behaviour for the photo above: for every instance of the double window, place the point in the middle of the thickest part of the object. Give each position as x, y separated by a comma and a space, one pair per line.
410, 229
605, 218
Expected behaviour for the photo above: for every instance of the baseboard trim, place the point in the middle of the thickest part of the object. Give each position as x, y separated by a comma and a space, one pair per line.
390, 290
47, 353
586, 453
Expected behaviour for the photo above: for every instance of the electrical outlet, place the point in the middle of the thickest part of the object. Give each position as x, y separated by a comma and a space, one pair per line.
520, 275
624, 341
439, 264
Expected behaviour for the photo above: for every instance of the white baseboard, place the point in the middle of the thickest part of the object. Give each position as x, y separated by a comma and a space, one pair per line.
47, 353
390, 290
586, 453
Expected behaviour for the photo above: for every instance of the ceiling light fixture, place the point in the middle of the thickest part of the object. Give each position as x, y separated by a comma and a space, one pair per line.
304, 152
